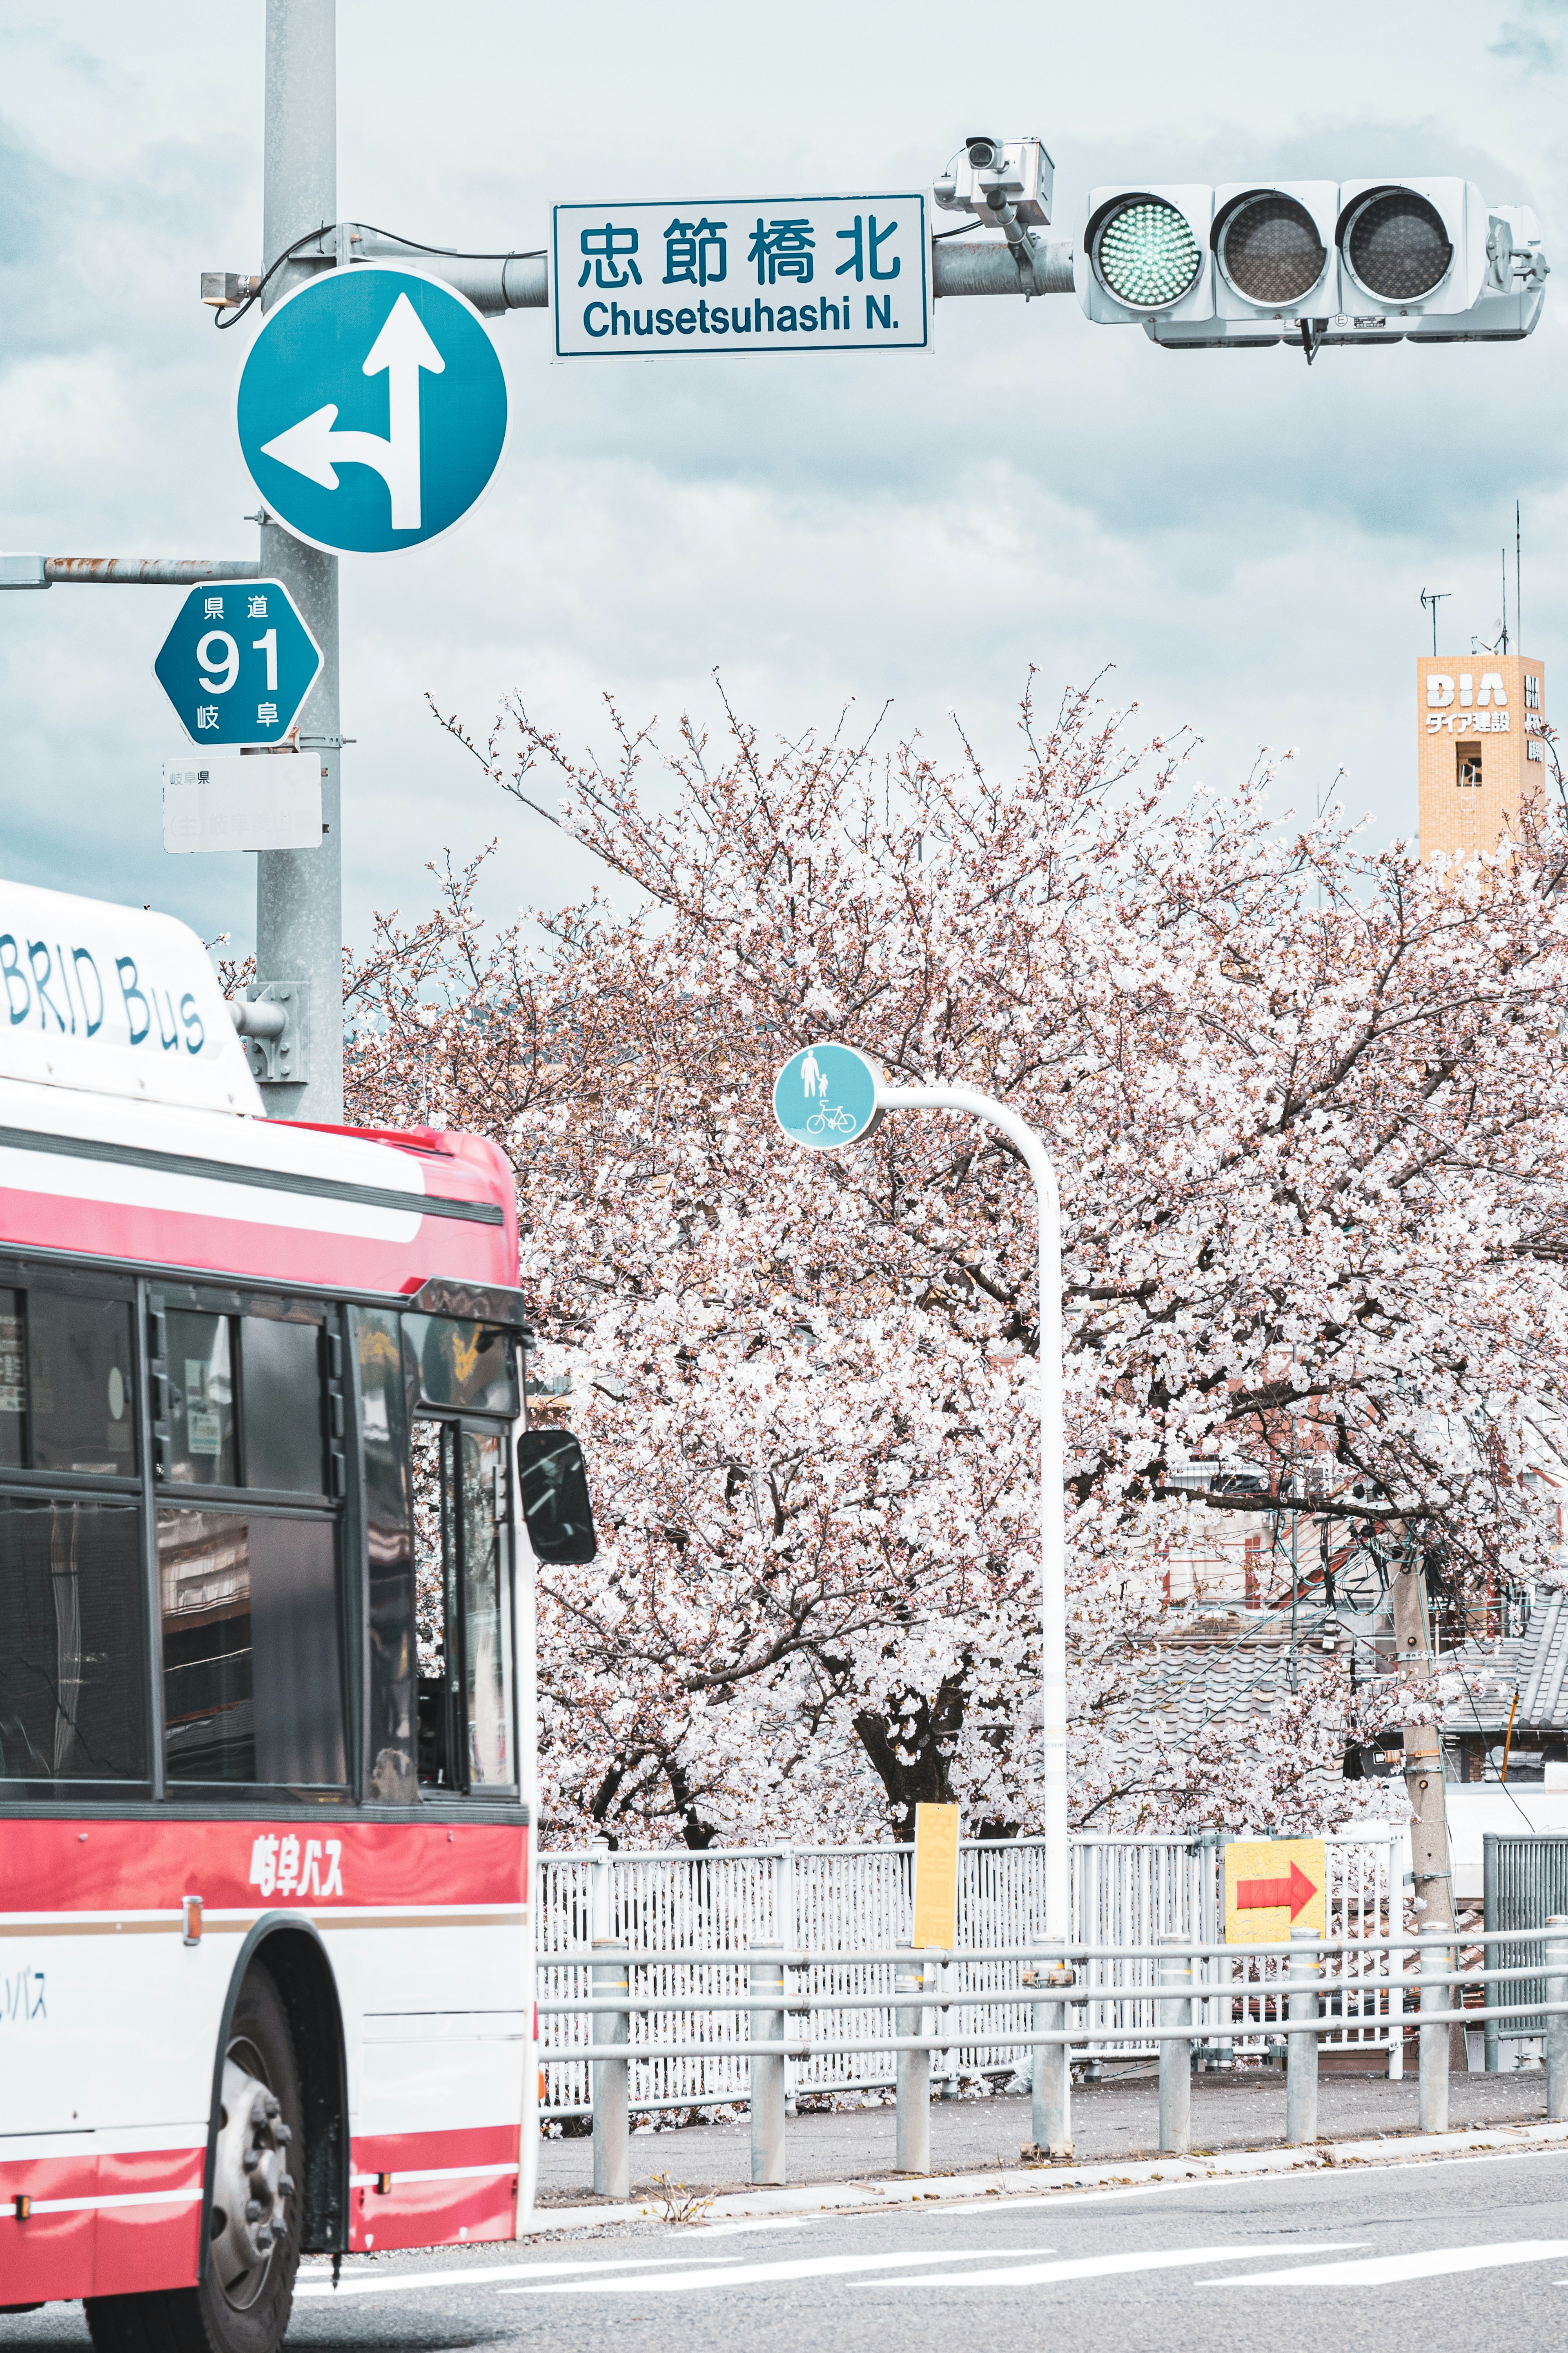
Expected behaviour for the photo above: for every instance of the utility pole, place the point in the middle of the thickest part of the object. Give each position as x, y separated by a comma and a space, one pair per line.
299, 893
1434, 1887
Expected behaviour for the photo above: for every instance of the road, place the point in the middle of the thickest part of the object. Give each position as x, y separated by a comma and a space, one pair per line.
1412, 2258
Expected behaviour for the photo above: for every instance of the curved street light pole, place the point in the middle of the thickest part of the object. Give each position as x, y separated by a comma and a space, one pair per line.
1053, 1510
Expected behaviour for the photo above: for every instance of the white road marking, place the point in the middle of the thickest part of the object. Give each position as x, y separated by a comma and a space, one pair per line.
1379, 2270
1108, 2266
732, 2230
480, 2274
767, 2275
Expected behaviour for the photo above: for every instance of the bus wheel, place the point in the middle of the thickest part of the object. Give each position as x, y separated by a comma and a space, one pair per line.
253, 2251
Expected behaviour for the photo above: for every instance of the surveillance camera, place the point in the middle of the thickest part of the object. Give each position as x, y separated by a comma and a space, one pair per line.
984, 155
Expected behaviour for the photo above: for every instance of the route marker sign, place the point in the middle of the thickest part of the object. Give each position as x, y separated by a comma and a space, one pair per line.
1272, 1885
826, 1097
237, 663
372, 410
740, 274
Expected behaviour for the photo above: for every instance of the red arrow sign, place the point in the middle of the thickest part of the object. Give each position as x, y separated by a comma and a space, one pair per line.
1264, 1894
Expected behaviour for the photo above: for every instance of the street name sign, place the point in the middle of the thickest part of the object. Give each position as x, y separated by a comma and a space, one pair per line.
1272, 1885
372, 410
740, 274
826, 1097
242, 804
237, 664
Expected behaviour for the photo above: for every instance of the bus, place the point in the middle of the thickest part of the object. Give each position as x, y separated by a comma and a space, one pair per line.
269, 1515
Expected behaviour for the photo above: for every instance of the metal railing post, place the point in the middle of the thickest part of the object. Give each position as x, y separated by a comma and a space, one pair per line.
601, 1924
767, 1981
911, 2073
791, 1938
1174, 2007
612, 2122
1491, 1951
1301, 2050
1052, 2085
1433, 2042
1556, 2036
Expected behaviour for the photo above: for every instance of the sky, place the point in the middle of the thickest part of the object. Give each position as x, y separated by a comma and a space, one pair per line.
1236, 541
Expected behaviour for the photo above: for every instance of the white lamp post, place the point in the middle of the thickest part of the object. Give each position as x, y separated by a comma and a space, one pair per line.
1053, 1515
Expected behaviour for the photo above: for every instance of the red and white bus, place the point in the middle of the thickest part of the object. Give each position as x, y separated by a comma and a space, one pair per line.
265, 1958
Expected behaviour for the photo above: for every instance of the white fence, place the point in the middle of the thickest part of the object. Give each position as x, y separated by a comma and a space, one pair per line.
840, 1900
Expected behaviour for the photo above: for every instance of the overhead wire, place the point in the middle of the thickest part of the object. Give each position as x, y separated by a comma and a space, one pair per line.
329, 228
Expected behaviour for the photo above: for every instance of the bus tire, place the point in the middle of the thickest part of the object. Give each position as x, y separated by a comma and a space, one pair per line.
243, 2303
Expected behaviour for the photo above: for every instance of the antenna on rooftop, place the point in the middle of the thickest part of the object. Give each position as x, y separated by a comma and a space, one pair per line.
1434, 597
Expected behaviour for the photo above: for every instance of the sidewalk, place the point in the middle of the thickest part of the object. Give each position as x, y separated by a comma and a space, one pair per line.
1116, 2120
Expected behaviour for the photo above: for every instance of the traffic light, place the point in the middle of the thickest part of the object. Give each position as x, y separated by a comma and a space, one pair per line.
1146, 257
1311, 262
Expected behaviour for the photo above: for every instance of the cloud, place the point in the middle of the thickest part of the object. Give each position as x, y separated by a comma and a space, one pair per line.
1538, 40
1243, 539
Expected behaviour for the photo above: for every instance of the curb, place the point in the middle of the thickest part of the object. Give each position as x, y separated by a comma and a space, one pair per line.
850, 2196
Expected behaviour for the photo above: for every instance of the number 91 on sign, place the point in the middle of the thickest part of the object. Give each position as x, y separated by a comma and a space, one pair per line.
237, 664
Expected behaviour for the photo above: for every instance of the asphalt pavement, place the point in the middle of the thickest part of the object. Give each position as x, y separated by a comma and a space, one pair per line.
1414, 2257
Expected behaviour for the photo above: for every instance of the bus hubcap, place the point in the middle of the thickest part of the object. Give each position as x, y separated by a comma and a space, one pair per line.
252, 2185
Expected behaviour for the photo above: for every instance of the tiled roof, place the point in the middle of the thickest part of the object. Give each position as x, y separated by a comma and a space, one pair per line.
1534, 1664
1223, 1686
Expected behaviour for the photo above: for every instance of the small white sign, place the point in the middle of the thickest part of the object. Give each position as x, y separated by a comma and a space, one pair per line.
740, 274
256, 804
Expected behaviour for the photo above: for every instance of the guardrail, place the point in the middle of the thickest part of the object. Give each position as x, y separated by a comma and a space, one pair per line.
1201, 1999
838, 1902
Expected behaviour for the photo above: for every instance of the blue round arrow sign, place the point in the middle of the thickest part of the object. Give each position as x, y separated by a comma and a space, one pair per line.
372, 410
826, 1097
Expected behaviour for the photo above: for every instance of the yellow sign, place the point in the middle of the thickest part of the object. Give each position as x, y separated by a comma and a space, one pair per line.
936, 1877
1272, 1885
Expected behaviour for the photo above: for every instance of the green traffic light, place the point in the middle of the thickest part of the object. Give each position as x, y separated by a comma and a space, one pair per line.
1146, 254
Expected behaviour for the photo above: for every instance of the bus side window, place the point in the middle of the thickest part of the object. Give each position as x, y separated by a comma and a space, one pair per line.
13, 1381
72, 1690
391, 1731
280, 1393
466, 1723
202, 1444
79, 1383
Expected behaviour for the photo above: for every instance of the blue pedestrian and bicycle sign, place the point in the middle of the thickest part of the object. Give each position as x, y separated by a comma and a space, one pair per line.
237, 663
826, 1097
372, 410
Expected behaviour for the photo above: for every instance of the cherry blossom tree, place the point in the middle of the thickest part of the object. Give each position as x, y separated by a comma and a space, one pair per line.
1306, 1101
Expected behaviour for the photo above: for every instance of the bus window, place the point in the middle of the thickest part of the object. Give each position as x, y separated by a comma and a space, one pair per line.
252, 1670
79, 1385
467, 1737
70, 1673
13, 1379
202, 1441
467, 1368
392, 1737
280, 1388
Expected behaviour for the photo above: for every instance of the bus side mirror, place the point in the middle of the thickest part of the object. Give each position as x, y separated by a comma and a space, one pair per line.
552, 1483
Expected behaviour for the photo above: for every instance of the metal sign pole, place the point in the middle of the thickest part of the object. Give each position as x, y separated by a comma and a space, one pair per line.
299, 893
1053, 1509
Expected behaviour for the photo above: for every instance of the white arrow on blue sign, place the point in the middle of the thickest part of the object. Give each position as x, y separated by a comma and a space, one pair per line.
826, 1097
237, 664
372, 410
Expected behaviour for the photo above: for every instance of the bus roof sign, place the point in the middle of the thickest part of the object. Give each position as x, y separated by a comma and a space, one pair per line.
117, 1001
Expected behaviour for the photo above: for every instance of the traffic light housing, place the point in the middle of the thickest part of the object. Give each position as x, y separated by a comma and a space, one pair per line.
1253, 263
